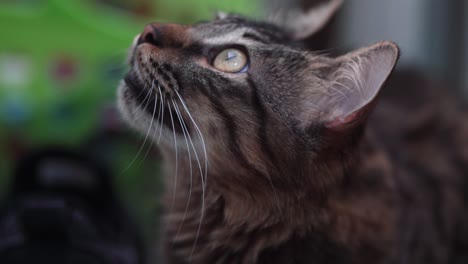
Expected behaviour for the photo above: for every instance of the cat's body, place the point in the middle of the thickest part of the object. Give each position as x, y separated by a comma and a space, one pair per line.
268, 157
403, 202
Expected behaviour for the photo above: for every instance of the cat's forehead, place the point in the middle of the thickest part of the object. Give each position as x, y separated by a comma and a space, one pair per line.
233, 28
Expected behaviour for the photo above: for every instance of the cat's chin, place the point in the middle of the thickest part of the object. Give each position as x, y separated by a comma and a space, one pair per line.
139, 106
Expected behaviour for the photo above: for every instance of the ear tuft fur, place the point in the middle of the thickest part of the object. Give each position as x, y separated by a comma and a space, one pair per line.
357, 81
343, 91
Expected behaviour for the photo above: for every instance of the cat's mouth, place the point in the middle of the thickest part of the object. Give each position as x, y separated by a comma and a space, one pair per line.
152, 100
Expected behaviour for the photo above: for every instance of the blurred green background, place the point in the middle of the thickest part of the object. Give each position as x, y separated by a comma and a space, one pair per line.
60, 64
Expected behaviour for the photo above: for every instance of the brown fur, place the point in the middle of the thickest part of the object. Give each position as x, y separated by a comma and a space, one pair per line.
300, 168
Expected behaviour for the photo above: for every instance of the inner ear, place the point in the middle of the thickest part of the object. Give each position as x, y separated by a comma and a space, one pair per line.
354, 83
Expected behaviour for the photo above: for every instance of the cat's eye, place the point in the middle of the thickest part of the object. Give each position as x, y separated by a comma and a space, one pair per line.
231, 61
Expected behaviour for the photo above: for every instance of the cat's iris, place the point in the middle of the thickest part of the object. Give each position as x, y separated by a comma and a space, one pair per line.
231, 61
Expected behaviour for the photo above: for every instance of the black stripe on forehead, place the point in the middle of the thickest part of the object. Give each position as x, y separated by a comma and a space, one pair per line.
244, 22
256, 37
265, 31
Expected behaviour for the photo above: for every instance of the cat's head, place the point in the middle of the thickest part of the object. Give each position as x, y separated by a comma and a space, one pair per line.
248, 90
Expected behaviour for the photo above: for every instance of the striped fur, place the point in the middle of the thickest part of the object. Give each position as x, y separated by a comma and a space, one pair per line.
256, 173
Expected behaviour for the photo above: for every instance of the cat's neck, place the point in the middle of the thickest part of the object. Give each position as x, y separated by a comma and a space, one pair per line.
252, 197
238, 205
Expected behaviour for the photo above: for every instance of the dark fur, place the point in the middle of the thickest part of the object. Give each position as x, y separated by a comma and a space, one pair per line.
282, 185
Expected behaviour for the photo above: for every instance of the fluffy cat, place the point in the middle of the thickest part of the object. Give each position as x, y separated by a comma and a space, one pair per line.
270, 155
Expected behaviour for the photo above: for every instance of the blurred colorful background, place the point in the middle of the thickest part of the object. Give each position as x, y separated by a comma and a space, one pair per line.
61, 61
60, 64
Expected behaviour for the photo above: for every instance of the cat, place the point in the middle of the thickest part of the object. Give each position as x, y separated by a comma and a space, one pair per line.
276, 154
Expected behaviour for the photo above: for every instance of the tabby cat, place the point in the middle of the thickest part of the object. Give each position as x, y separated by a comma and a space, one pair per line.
271, 154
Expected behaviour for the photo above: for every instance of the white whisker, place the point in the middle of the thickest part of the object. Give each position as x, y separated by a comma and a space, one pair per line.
175, 148
195, 152
138, 106
198, 131
201, 173
146, 137
162, 115
160, 111
181, 120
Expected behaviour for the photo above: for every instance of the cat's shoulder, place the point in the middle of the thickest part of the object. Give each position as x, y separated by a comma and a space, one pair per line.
423, 123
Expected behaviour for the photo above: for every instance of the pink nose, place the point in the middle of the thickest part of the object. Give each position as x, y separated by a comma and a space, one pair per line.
150, 35
163, 35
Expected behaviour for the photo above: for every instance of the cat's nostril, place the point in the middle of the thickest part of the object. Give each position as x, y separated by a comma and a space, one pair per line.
149, 35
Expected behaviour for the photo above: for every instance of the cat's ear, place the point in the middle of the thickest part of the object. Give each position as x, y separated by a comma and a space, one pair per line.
354, 81
220, 15
302, 23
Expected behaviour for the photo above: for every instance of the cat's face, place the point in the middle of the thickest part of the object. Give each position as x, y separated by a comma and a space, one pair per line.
237, 87
213, 76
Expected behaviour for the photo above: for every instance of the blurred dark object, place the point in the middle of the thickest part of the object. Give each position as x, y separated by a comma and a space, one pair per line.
62, 209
